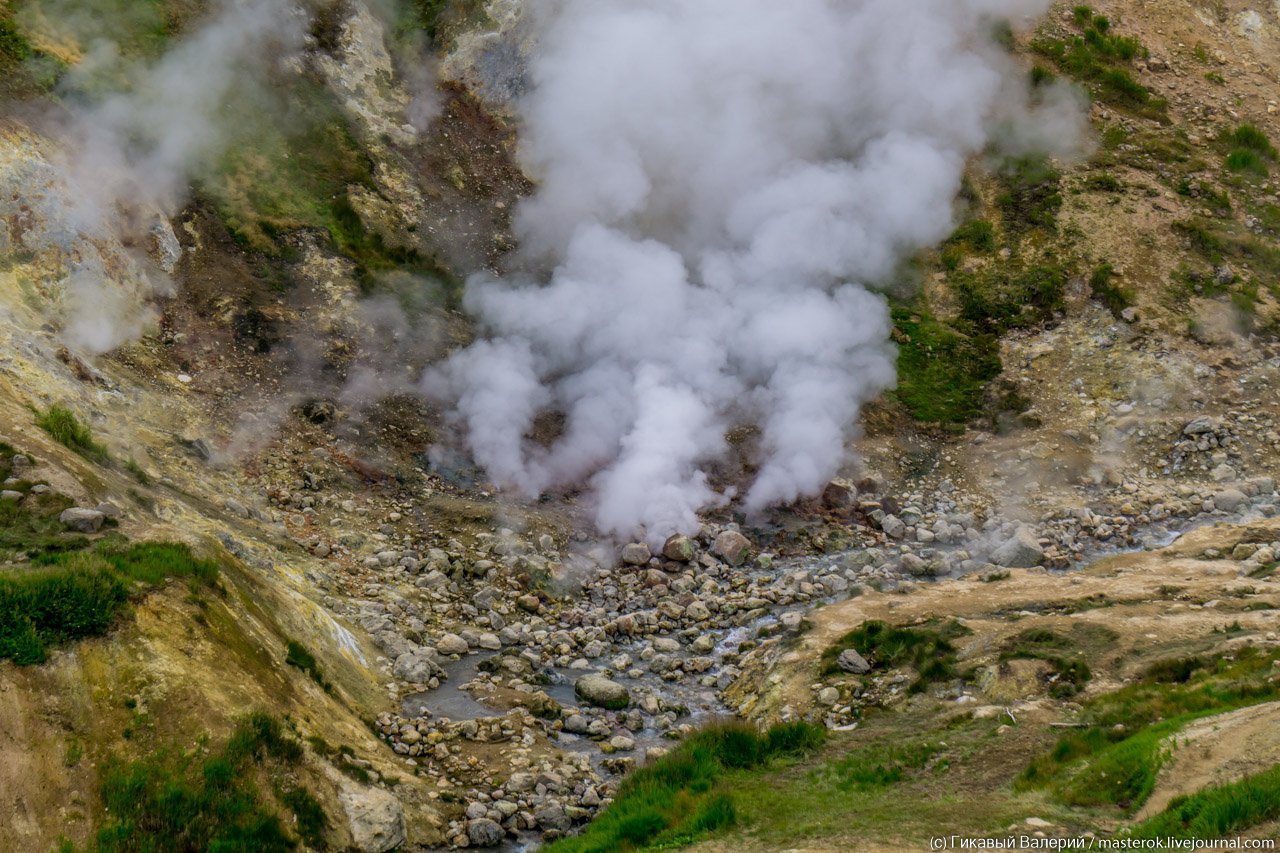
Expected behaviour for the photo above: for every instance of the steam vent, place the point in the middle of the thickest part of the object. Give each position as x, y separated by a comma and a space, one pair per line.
614, 426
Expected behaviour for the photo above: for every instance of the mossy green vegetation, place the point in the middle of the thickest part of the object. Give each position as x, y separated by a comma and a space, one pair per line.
1103, 287
64, 595
68, 430
676, 799
296, 655
1115, 759
1248, 150
943, 371
1030, 194
1102, 60
926, 648
209, 800
1070, 670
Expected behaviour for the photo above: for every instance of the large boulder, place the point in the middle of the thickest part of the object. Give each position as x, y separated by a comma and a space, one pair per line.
82, 520
1229, 500
452, 644
602, 692
635, 554
483, 832
678, 548
732, 547
416, 666
1021, 551
375, 818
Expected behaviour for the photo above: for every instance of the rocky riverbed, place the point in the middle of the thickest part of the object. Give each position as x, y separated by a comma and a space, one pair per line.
565, 663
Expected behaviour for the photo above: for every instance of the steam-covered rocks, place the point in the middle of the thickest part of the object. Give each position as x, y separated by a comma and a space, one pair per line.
721, 184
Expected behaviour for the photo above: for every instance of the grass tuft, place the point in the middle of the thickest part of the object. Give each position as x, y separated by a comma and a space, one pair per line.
65, 428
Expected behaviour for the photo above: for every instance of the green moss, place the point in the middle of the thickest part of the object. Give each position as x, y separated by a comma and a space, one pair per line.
942, 371
297, 655
1001, 299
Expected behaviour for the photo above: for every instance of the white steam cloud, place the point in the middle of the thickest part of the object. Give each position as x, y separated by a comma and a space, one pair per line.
128, 159
719, 181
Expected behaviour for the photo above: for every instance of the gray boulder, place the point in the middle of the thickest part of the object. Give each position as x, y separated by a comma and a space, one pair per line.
636, 554
602, 692
82, 520
1229, 500
417, 667
893, 527
483, 832
851, 661
1021, 551
452, 644
375, 818
732, 547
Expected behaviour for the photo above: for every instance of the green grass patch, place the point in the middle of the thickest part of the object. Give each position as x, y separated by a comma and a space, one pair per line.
997, 300
296, 655
1103, 60
44, 607
68, 430
1103, 182
1115, 758
675, 800
942, 370
1218, 812
1103, 287
882, 766
198, 801
1030, 194
69, 595
1070, 670
926, 648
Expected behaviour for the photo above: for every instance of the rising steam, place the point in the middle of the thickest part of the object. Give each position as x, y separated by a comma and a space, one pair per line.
720, 181
128, 158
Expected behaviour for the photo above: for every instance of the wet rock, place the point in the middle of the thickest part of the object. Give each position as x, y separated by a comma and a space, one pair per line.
678, 548
602, 692
552, 816
1021, 551
732, 547
82, 520
483, 832
838, 496
851, 661
375, 818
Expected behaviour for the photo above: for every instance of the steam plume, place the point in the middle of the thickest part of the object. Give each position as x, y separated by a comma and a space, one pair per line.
130, 157
720, 181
